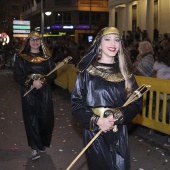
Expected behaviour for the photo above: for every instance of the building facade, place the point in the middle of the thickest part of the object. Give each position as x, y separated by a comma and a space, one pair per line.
146, 14
78, 18
82, 18
9, 10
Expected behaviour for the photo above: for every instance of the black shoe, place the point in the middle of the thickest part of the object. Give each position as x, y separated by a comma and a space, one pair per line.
43, 150
35, 155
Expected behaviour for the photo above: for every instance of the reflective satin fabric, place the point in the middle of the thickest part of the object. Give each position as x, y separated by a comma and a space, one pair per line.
110, 150
37, 106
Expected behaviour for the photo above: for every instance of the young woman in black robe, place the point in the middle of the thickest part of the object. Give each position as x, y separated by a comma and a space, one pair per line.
32, 64
103, 85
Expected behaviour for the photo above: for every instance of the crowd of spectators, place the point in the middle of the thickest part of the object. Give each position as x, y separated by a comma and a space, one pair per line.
137, 42
151, 59
8, 54
142, 51
63, 47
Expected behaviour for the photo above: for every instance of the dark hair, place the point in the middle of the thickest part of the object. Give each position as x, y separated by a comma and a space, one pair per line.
28, 48
165, 57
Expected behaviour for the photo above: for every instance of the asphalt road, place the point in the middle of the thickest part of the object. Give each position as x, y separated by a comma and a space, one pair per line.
147, 152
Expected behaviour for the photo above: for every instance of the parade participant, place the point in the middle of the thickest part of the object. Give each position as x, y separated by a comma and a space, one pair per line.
32, 64
103, 85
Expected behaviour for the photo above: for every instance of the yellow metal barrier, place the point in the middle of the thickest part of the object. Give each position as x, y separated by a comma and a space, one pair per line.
66, 77
150, 114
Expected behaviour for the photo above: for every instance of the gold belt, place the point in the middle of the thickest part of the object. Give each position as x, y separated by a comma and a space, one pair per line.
36, 76
100, 111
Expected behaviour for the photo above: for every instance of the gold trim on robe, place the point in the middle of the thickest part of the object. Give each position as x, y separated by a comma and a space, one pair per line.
105, 72
34, 59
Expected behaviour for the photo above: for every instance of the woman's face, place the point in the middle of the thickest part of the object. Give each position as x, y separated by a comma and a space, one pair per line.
110, 45
35, 42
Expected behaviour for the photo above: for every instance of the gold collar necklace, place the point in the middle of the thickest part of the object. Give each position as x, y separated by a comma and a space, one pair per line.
109, 73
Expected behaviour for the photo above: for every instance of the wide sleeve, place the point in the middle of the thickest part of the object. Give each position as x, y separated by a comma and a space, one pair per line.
20, 74
79, 110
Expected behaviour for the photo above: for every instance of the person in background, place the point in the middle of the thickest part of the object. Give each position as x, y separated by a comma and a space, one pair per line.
137, 34
143, 65
59, 54
133, 51
130, 37
33, 62
144, 35
103, 85
156, 35
165, 44
162, 69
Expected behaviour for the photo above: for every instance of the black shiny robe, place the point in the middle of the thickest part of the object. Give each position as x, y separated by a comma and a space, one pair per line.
37, 106
110, 150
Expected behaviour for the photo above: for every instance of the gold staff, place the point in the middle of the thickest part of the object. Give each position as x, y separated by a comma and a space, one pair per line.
134, 96
65, 61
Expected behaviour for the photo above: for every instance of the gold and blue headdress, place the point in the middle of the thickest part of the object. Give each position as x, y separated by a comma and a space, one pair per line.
25, 45
91, 54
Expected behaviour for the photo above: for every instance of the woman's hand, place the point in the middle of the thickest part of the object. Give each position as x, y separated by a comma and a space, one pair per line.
37, 84
106, 124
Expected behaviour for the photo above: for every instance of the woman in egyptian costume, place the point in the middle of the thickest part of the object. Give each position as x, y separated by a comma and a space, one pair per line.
37, 105
100, 91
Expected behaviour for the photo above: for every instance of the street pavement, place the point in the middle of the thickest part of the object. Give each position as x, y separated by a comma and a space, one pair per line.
148, 152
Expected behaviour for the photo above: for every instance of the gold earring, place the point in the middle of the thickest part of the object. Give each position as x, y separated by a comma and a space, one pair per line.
100, 51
